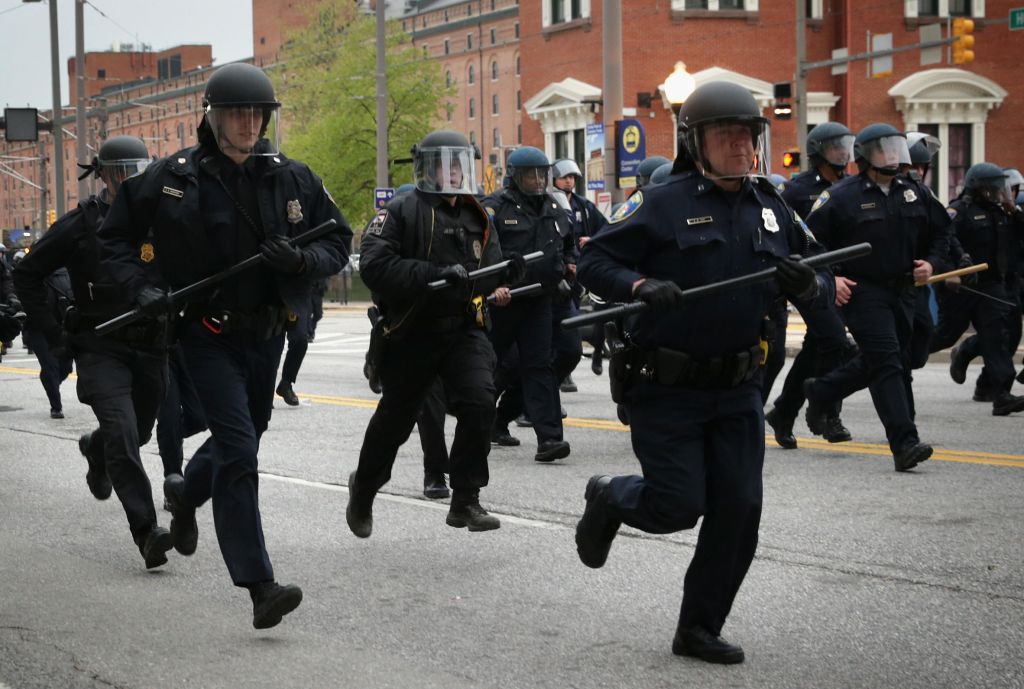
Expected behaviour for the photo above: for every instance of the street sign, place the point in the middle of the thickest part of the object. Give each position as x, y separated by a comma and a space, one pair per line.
881, 66
595, 157
1017, 18
840, 54
927, 33
381, 196
630, 151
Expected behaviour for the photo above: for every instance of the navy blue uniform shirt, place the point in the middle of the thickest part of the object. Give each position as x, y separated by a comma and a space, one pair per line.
803, 190
691, 231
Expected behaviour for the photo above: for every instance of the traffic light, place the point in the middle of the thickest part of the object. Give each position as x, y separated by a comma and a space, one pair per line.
51, 217
963, 30
791, 158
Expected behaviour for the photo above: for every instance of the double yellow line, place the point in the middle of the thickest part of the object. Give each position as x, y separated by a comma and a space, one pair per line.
874, 449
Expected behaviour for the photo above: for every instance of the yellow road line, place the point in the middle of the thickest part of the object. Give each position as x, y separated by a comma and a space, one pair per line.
873, 449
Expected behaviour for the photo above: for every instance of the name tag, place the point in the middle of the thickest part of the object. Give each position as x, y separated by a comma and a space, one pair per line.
511, 221
176, 193
866, 206
703, 220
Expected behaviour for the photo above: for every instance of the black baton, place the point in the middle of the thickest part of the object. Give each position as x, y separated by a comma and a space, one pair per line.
827, 258
179, 295
527, 291
484, 272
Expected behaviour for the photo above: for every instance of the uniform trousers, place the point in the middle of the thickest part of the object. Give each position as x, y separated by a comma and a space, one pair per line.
990, 319
430, 424
234, 376
181, 415
53, 370
701, 453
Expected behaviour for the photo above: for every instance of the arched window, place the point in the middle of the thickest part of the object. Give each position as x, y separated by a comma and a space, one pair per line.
472, 75
448, 78
494, 70
517, 65
472, 108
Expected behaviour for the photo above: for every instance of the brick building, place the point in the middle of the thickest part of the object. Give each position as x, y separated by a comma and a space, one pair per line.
122, 65
973, 109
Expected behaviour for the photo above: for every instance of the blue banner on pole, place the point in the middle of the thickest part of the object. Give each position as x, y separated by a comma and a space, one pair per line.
630, 151
595, 157
381, 196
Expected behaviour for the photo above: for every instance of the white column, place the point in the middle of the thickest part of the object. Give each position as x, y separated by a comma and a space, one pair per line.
943, 168
977, 142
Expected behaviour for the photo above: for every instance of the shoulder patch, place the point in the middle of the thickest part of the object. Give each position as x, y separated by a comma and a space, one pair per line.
628, 208
328, 194
803, 226
952, 213
823, 198
376, 225
490, 212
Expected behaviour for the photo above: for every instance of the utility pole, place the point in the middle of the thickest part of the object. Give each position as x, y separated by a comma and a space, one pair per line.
611, 94
58, 134
382, 99
801, 81
42, 187
81, 153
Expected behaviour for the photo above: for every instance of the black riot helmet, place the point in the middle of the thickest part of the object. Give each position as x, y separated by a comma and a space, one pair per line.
987, 182
922, 148
529, 170
647, 168
443, 163
830, 143
119, 158
718, 114
242, 113
881, 147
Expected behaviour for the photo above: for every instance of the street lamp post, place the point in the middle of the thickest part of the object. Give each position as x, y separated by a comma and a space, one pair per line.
677, 88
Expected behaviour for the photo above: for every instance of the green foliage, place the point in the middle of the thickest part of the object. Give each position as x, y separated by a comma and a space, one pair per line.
326, 81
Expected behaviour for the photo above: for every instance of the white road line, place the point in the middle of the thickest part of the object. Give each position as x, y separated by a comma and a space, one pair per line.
401, 499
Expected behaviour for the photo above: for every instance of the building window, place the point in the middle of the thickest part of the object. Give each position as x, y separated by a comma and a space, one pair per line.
101, 74
517, 65
560, 11
448, 111
494, 70
519, 134
716, 5
472, 75
517, 30
469, 41
472, 108
494, 36
959, 157
944, 8
493, 4
448, 78
519, 100
494, 104
469, 10
496, 138
447, 46
815, 9
472, 136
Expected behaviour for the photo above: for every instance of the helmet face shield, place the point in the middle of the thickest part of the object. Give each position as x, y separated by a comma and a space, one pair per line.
532, 181
446, 170
245, 130
114, 172
886, 153
838, 151
730, 148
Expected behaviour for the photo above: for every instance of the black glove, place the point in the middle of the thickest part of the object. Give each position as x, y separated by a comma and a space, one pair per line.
454, 274
659, 294
516, 270
282, 256
153, 302
796, 279
966, 262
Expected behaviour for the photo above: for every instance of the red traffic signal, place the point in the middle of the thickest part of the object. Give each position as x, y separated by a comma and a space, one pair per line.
791, 158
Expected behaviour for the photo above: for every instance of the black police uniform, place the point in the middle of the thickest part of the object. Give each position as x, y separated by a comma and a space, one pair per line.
880, 311
429, 334
202, 213
56, 364
695, 404
825, 344
526, 224
988, 235
181, 413
122, 376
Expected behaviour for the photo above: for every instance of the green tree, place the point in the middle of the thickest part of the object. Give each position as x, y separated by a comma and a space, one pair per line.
327, 85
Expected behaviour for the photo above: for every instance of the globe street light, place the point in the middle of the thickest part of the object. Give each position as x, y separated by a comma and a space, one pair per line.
677, 88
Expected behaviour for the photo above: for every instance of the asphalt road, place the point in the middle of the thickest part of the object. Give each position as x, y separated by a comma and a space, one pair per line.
863, 577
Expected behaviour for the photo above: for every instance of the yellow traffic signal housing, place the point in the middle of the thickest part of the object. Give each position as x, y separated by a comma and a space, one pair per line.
963, 46
51, 216
791, 158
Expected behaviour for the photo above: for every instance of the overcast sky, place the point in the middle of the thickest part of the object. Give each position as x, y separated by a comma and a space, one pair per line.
25, 37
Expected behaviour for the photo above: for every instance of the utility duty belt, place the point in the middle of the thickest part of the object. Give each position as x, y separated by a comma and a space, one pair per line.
146, 333
263, 323
671, 367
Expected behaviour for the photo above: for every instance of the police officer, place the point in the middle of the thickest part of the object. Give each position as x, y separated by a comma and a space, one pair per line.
586, 220
646, 169
526, 220
909, 233
121, 376
693, 393
438, 232
199, 211
829, 149
54, 365
661, 174
986, 232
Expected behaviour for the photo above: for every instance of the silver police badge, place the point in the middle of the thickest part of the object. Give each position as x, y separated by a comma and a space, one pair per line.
770, 223
909, 196
294, 210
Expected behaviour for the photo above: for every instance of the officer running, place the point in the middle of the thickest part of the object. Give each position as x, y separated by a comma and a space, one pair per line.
693, 393
437, 232
205, 208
